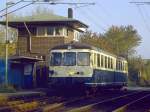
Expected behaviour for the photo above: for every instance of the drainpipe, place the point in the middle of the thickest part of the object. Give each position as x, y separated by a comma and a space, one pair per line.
29, 48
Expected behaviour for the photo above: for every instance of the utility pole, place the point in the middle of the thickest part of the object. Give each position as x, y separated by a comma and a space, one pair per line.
140, 3
6, 49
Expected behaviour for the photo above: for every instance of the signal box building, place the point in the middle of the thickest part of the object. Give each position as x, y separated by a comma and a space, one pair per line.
38, 34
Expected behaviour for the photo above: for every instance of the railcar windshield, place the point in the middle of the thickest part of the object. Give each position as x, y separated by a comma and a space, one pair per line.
56, 59
69, 59
83, 59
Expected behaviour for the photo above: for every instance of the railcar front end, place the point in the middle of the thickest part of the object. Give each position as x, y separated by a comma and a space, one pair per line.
70, 68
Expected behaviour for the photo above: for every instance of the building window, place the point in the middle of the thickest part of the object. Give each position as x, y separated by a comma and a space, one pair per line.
50, 30
41, 31
58, 31
76, 35
66, 32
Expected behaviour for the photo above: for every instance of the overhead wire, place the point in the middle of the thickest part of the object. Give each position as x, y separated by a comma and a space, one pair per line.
138, 4
92, 16
76, 7
106, 12
97, 17
92, 20
51, 3
17, 9
143, 17
146, 13
11, 5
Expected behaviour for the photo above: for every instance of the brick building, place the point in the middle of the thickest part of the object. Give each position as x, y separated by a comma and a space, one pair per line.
38, 34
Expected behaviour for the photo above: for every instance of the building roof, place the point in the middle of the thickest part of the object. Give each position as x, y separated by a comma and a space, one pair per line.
44, 19
24, 59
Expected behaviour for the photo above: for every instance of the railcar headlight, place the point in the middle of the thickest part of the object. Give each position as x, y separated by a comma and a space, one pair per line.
80, 73
71, 72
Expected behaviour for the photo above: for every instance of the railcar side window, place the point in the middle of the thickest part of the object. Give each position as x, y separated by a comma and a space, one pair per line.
98, 60
69, 59
117, 65
102, 61
121, 65
106, 62
126, 67
111, 63
83, 59
56, 59
95, 59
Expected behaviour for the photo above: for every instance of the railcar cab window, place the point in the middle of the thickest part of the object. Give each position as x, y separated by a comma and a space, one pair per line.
83, 59
56, 59
69, 59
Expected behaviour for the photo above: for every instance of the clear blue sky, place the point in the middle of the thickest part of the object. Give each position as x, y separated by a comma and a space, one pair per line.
105, 14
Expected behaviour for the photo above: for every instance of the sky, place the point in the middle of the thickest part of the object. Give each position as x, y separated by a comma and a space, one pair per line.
102, 15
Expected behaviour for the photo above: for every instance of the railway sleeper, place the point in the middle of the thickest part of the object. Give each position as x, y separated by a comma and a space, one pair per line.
3, 100
26, 107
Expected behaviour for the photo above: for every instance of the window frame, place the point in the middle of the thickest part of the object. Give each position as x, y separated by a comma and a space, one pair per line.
53, 59
37, 31
54, 32
64, 56
102, 61
88, 57
98, 60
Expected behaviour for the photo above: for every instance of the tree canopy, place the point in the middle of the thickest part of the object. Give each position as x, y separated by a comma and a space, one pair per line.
121, 41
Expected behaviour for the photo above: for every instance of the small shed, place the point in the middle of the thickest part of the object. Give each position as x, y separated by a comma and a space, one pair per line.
22, 73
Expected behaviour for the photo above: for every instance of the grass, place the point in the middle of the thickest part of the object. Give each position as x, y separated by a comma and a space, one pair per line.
7, 89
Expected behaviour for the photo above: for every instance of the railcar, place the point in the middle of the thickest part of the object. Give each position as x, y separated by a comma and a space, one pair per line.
82, 65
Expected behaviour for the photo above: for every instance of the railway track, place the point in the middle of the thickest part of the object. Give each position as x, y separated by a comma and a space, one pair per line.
102, 102
34, 104
26, 104
64, 106
123, 103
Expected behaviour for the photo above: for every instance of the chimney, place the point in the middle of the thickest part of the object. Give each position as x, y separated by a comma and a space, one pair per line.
70, 13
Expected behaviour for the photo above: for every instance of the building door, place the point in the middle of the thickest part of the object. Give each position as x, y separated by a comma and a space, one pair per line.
28, 76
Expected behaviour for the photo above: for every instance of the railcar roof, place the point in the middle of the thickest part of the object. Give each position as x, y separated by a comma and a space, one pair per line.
73, 45
79, 45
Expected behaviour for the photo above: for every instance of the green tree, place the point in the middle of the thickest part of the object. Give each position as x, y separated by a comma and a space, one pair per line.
96, 40
123, 39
